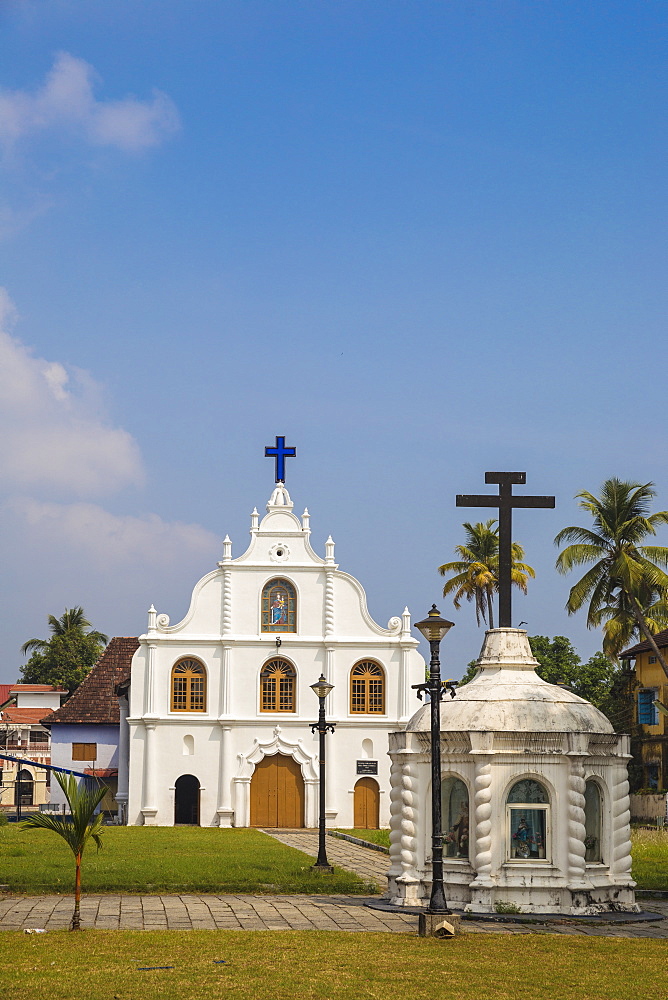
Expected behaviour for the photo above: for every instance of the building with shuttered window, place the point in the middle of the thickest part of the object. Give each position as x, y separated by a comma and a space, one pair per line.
649, 689
216, 713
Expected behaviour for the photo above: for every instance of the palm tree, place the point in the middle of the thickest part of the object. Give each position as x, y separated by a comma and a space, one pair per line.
626, 588
76, 830
72, 622
477, 569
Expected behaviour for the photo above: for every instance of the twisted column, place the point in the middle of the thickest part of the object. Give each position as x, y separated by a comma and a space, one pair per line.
329, 603
395, 818
621, 820
576, 821
409, 798
483, 817
227, 601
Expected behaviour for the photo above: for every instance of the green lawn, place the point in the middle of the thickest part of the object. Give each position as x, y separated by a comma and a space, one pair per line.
650, 858
327, 965
166, 859
190, 859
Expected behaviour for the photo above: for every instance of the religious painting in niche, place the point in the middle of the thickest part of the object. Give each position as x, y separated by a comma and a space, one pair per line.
279, 607
277, 687
527, 814
455, 812
593, 823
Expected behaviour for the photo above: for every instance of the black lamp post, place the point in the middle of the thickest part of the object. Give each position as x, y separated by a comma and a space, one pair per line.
322, 687
434, 628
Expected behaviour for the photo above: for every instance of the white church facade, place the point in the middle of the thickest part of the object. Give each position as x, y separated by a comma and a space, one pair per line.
216, 719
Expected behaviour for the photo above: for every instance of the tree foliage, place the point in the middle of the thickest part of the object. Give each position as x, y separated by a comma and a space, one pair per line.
626, 588
476, 571
67, 657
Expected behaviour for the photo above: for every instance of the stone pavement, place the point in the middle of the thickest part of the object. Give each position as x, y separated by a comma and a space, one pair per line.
205, 912
369, 865
289, 912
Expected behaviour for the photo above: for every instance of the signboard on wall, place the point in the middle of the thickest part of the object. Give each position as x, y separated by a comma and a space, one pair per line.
367, 767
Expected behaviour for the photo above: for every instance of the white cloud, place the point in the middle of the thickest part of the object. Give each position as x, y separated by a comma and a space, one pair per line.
54, 435
66, 100
110, 540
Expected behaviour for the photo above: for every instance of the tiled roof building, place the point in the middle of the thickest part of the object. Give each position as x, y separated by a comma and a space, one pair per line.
94, 701
85, 730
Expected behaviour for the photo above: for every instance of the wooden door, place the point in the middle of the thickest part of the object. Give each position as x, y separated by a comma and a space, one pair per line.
277, 793
367, 804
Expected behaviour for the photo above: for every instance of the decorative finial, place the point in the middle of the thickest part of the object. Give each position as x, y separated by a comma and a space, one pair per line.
280, 498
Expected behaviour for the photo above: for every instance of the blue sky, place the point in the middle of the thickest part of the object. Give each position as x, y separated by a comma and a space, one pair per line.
421, 240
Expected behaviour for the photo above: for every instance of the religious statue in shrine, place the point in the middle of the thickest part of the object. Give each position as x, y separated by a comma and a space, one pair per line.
459, 832
523, 839
278, 611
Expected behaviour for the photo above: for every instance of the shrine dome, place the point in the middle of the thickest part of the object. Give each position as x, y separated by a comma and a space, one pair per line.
507, 695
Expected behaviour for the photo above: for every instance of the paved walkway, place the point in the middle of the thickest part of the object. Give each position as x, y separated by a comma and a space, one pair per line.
369, 865
298, 912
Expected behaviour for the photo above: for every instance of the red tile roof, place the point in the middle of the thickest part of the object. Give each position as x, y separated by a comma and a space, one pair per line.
27, 715
94, 701
4, 692
661, 639
102, 772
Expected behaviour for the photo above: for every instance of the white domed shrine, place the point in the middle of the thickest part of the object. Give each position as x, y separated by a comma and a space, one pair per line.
535, 796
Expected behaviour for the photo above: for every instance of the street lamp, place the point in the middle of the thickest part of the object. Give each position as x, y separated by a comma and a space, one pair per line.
434, 628
322, 687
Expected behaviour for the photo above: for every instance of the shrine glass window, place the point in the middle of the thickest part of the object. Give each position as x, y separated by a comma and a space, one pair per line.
279, 607
367, 688
188, 686
593, 814
455, 818
277, 687
527, 817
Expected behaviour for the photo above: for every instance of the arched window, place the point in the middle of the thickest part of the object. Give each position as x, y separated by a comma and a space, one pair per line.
593, 815
277, 687
367, 688
455, 813
528, 805
279, 607
188, 686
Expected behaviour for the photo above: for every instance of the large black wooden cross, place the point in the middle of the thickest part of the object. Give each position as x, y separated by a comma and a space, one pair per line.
505, 501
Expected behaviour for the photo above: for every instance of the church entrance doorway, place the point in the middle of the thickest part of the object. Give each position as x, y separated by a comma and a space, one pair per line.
277, 793
186, 801
366, 804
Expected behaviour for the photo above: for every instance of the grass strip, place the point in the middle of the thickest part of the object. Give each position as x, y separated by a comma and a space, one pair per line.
380, 837
326, 965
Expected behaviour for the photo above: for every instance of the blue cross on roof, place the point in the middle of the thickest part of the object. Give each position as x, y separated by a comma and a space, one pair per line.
280, 453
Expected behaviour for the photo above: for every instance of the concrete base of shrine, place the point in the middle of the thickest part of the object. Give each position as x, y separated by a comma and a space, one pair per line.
510, 896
